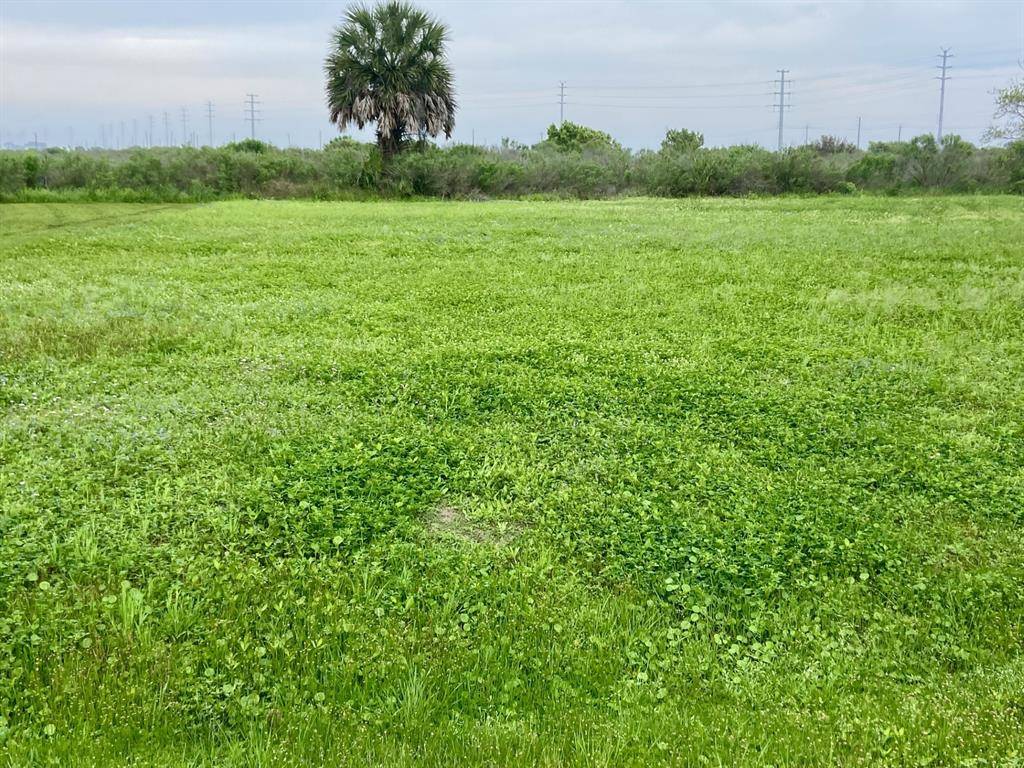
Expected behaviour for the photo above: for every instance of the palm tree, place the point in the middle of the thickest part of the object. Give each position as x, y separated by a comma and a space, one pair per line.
387, 65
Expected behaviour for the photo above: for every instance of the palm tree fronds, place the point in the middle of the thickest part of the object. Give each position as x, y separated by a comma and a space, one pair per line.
386, 65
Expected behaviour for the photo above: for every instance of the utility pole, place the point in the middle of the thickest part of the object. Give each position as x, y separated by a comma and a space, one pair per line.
1020, 60
167, 130
184, 126
135, 132
946, 55
561, 102
320, 137
209, 118
149, 138
782, 106
807, 134
251, 105
899, 135
858, 133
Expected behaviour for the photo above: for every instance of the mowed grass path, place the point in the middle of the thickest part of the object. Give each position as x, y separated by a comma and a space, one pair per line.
724, 482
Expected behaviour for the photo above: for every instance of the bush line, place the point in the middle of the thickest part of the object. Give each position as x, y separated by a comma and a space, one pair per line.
347, 169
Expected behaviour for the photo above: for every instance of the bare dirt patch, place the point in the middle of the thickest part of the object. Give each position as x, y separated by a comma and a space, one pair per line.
449, 521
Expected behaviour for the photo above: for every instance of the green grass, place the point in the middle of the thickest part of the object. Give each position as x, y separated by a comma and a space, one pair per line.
703, 482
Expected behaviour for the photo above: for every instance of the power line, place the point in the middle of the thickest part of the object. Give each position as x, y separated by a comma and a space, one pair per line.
631, 89
687, 107
946, 55
835, 85
667, 86
997, 76
698, 98
874, 94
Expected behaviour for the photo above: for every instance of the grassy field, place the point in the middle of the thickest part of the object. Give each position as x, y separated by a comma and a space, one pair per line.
700, 482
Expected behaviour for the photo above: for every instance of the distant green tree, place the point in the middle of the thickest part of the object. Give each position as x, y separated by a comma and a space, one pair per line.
387, 65
1009, 110
572, 137
1013, 163
928, 163
249, 145
682, 140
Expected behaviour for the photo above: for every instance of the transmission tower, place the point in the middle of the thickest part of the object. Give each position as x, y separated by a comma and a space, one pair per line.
1020, 59
209, 119
945, 56
184, 126
561, 102
782, 105
250, 107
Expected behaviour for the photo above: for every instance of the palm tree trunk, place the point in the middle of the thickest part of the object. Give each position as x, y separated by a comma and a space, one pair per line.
390, 143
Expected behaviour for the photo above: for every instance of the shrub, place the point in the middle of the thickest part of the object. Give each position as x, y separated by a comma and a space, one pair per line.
13, 178
1011, 163
344, 143
800, 170
682, 140
876, 169
249, 145
832, 145
571, 137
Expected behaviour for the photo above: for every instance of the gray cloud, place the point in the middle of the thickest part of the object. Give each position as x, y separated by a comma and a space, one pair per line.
631, 68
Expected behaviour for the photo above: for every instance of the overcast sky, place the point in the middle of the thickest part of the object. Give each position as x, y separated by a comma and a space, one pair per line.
80, 69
